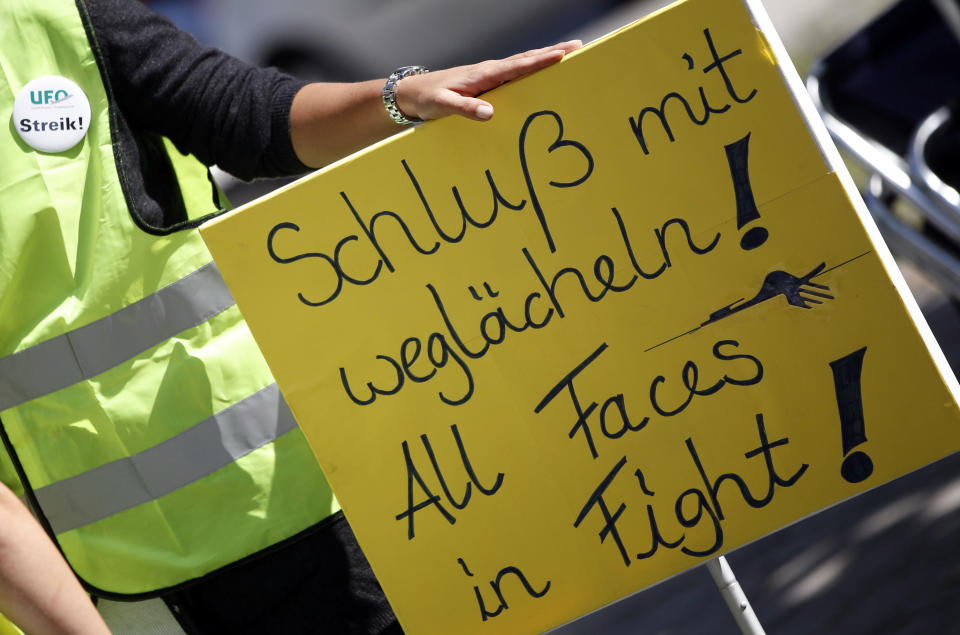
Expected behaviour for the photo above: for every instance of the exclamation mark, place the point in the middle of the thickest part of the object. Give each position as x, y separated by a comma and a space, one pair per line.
746, 205
856, 466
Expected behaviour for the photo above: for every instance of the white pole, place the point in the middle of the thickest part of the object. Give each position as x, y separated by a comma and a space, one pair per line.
733, 595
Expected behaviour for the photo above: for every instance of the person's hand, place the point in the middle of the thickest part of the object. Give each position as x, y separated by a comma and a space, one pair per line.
455, 90
330, 120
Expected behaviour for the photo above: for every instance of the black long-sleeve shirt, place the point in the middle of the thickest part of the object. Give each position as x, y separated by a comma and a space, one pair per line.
207, 102
211, 105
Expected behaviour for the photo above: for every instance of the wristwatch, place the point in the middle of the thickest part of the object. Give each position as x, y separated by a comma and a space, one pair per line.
390, 93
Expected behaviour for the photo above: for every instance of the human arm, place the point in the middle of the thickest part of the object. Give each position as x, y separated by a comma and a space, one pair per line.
38, 591
256, 122
329, 121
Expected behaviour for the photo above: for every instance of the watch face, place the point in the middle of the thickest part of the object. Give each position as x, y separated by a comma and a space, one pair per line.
403, 71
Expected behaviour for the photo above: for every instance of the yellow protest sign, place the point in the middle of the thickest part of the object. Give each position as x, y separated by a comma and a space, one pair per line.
632, 322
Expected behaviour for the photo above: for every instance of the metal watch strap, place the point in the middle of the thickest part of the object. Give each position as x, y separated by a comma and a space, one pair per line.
390, 93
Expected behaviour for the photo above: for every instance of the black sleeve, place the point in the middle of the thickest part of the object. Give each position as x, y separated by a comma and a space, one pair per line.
208, 103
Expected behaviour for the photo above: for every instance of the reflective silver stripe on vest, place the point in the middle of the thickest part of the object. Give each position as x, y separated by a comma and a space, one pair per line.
188, 457
99, 346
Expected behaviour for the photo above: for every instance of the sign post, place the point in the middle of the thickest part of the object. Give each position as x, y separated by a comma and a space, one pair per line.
733, 595
638, 319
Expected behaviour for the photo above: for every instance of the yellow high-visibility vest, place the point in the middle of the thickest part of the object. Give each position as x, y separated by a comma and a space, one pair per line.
137, 410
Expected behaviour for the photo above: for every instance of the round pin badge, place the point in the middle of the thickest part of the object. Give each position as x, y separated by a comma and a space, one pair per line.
51, 114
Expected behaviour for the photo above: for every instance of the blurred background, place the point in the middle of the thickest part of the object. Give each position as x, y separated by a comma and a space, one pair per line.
887, 561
